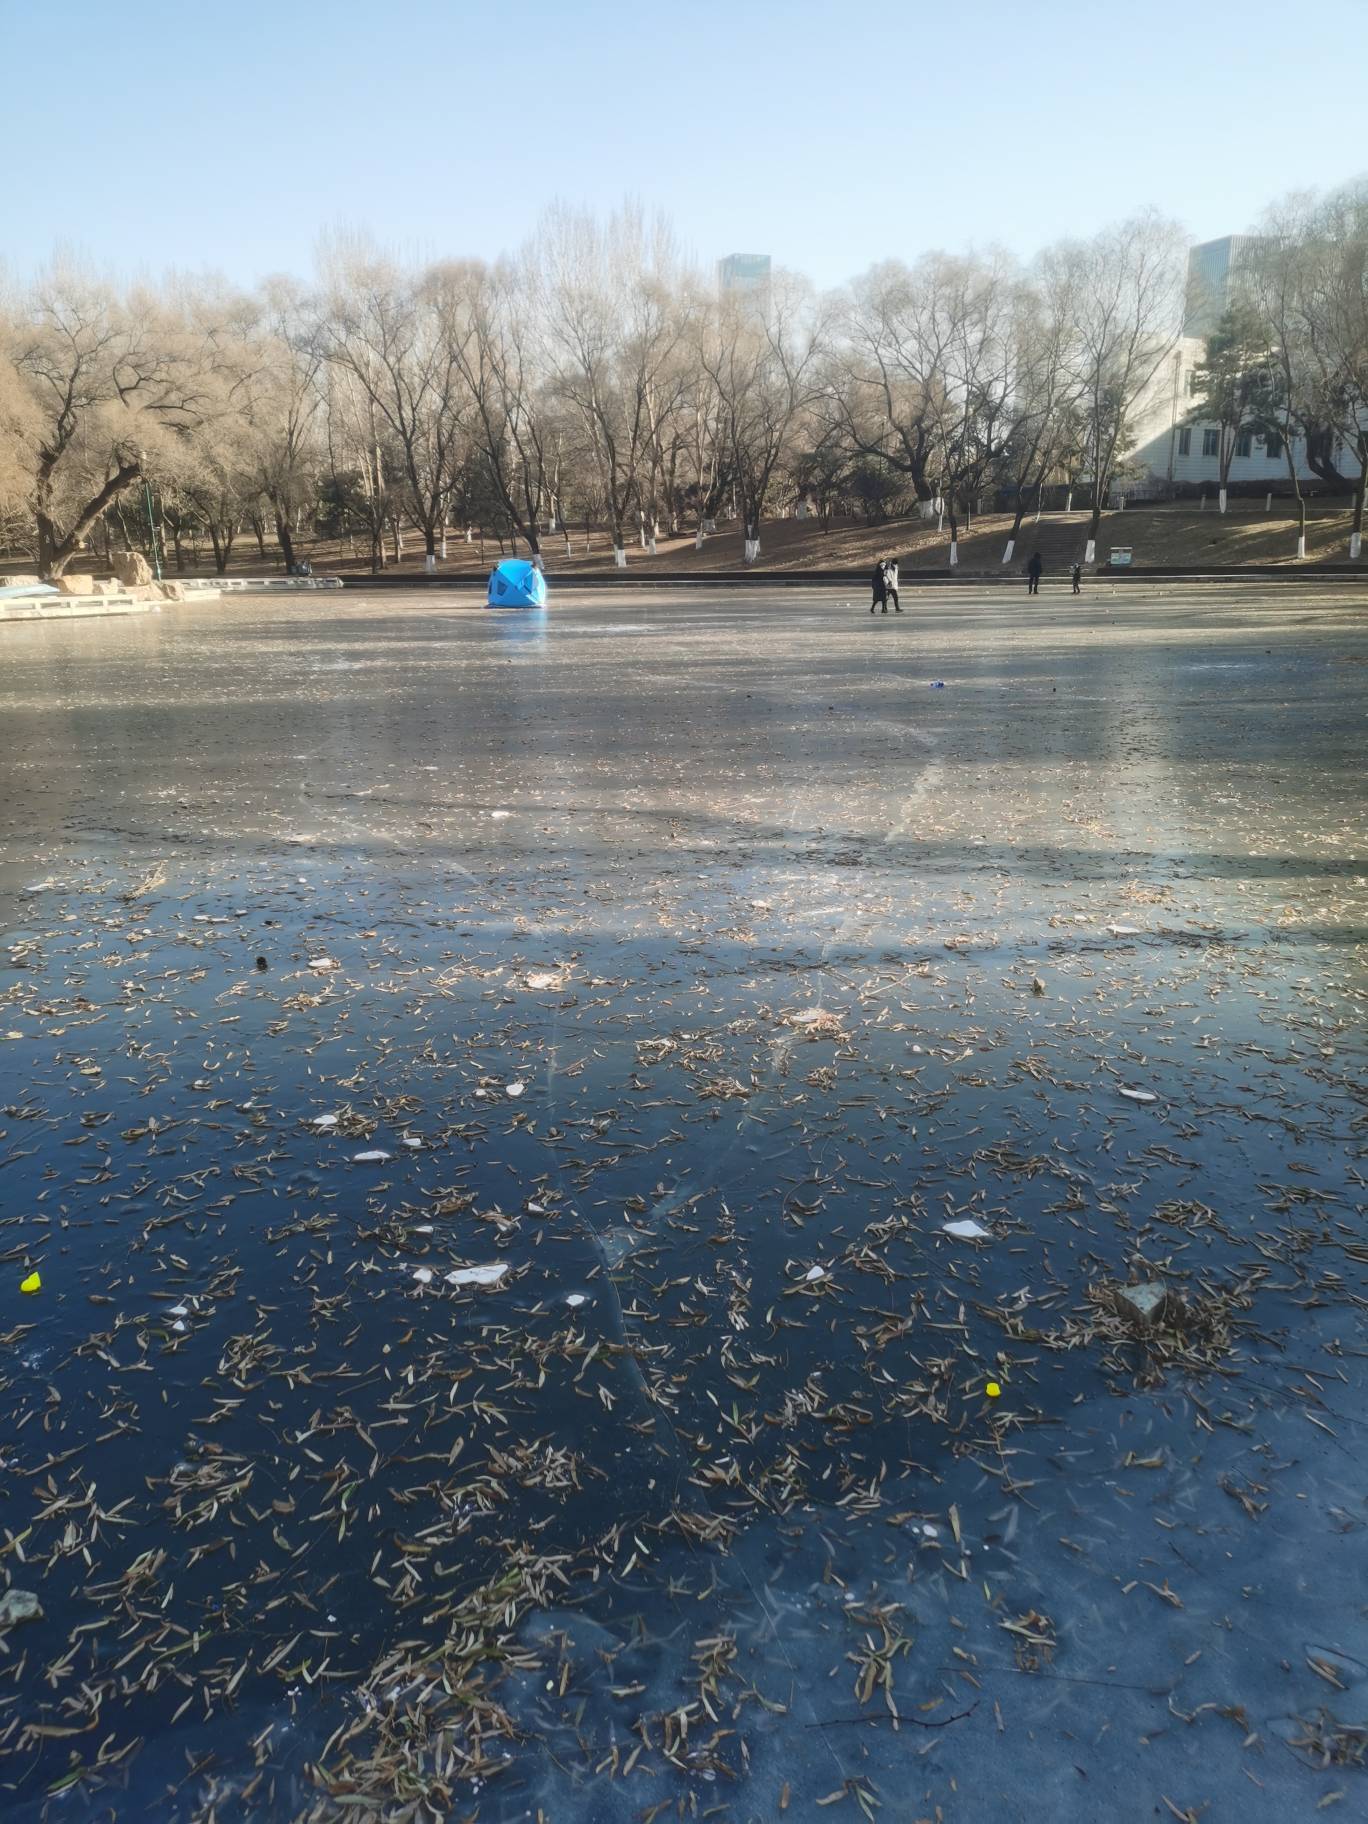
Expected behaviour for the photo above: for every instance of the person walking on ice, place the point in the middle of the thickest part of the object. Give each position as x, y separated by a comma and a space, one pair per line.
1078, 579
1033, 570
880, 582
891, 582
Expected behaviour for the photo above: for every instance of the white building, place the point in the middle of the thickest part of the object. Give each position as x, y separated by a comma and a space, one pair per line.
1171, 448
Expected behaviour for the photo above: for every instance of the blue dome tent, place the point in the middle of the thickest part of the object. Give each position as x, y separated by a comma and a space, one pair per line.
516, 584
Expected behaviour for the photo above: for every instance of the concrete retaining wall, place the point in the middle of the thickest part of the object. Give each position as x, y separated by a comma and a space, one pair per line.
201, 584
70, 607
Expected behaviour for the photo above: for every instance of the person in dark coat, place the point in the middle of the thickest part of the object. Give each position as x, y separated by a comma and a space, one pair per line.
1033, 570
880, 582
1078, 579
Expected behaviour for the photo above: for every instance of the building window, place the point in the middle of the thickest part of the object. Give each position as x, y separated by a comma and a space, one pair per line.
1211, 443
1272, 445
1185, 443
1244, 443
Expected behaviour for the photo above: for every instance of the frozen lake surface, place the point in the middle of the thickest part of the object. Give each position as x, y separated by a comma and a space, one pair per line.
486, 1095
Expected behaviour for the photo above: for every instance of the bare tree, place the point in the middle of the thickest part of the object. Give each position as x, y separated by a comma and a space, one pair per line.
612, 332
391, 331
1127, 283
495, 347
1334, 287
887, 383
763, 363
1044, 394
107, 378
1286, 409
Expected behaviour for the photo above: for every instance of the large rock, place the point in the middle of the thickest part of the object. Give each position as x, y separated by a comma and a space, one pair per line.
170, 592
76, 585
132, 568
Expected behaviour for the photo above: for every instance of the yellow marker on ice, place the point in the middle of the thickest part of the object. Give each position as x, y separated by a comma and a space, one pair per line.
992, 1390
34, 1283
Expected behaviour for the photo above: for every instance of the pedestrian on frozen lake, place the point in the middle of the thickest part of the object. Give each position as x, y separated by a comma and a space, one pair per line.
880, 582
891, 582
1033, 570
1077, 579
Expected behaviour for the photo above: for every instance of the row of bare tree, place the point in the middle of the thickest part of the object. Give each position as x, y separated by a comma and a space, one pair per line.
595, 380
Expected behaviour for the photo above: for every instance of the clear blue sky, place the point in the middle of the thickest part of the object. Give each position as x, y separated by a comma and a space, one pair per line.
224, 134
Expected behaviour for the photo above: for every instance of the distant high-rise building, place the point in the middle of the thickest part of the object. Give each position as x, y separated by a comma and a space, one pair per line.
1215, 272
745, 273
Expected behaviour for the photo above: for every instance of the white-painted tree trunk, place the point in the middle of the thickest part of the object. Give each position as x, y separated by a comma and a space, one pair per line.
1268, 501
1355, 546
1090, 553
954, 552
699, 536
1301, 544
444, 544
1007, 554
752, 550
1222, 498
1201, 504
1068, 501
470, 535
651, 544
429, 563
940, 520
619, 557
1121, 504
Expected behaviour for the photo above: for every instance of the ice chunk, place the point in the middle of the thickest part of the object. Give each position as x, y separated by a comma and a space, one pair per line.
1145, 1301
514, 1089
374, 1157
423, 1275
325, 1121
967, 1230
1139, 1095
478, 1276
